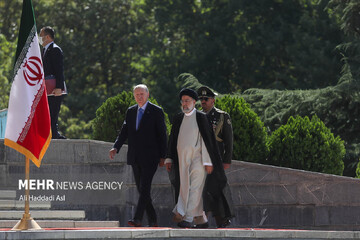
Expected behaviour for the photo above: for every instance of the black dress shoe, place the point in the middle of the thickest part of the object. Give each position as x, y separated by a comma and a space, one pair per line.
184, 224
59, 136
134, 223
225, 223
153, 224
201, 225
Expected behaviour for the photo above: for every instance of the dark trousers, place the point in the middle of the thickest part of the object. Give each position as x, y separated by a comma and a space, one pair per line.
218, 202
143, 178
54, 107
222, 205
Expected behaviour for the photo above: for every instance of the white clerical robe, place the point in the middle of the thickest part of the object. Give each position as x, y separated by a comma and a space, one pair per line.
193, 156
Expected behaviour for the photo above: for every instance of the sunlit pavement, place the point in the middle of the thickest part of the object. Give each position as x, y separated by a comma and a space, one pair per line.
175, 233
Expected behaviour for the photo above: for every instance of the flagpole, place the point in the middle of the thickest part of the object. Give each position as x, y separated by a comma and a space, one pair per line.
27, 222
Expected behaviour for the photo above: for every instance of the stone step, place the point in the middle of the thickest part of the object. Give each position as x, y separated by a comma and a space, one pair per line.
13, 204
44, 214
64, 224
178, 234
7, 194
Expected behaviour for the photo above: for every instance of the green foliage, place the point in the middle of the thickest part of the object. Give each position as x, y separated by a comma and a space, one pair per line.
338, 107
232, 45
101, 45
334, 105
351, 159
348, 14
229, 45
249, 133
10, 12
110, 45
71, 127
7, 51
111, 115
358, 170
307, 145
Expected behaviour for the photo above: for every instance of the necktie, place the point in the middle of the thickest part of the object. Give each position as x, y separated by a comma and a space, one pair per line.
139, 116
43, 53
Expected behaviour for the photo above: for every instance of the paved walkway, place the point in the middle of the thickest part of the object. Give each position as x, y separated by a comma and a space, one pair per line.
178, 234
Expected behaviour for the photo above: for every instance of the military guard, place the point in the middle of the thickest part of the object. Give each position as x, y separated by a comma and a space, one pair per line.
221, 204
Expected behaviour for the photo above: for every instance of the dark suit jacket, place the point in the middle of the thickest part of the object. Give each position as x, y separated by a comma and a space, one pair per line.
147, 144
53, 62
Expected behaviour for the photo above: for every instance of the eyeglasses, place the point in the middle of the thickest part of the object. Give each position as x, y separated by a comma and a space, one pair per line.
204, 98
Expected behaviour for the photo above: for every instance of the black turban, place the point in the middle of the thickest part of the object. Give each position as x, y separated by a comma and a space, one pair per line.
188, 92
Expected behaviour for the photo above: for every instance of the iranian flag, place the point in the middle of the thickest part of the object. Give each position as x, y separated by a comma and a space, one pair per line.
28, 128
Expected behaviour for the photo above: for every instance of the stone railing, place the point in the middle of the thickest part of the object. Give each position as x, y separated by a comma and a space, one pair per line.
77, 174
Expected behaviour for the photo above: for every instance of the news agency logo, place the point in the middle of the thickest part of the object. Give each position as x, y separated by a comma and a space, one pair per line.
49, 184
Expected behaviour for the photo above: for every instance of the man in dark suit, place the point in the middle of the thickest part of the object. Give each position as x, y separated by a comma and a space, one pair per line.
53, 63
144, 128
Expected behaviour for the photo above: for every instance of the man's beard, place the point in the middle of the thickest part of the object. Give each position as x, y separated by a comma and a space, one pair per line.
188, 108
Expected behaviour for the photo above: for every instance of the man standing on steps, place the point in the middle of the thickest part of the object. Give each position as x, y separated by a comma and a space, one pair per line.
144, 128
53, 63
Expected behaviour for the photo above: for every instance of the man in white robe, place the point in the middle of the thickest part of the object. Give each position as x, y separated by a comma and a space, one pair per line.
194, 163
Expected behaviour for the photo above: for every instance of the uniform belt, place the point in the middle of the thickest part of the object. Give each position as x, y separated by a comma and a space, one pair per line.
219, 127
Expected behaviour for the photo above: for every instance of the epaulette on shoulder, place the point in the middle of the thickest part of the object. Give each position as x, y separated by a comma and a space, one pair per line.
220, 111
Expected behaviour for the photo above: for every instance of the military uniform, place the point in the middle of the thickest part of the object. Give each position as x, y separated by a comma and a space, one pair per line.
221, 123
220, 204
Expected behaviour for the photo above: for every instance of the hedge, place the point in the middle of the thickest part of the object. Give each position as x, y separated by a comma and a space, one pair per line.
308, 145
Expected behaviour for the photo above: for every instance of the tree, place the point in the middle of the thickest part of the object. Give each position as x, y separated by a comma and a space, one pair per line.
7, 52
10, 13
348, 13
228, 45
99, 40
231, 45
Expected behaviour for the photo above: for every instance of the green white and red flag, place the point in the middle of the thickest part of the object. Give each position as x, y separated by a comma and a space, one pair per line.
28, 127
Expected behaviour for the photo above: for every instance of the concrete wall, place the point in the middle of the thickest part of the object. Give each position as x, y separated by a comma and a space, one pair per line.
264, 196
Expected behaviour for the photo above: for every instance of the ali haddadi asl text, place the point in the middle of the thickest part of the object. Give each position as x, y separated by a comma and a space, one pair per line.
43, 198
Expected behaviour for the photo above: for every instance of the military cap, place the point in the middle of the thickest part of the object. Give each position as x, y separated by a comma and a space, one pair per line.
188, 92
204, 91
